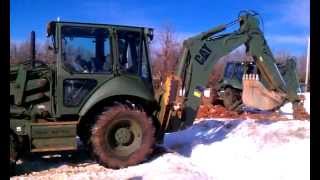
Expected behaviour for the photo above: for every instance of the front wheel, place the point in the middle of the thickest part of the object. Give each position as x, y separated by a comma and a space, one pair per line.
122, 136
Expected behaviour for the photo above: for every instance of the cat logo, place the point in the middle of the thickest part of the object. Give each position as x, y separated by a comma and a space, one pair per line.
203, 54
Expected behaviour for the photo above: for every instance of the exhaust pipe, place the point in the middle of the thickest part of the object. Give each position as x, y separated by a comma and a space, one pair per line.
33, 48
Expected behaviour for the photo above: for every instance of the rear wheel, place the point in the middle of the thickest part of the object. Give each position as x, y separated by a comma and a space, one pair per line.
122, 136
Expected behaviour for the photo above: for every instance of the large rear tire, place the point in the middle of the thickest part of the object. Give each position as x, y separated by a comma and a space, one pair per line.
122, 136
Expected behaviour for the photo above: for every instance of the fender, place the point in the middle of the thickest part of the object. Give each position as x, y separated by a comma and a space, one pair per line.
125, 85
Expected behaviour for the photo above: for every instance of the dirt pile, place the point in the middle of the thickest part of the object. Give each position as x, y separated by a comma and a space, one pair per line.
273, 116
217, 111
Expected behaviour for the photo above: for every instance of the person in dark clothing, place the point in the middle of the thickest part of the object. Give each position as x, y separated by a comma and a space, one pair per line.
82, 65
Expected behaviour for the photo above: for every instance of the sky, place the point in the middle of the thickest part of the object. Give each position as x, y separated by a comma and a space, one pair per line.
286, 23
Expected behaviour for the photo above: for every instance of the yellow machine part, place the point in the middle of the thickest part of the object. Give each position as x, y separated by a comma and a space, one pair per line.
163, 114
255, 95
169, 96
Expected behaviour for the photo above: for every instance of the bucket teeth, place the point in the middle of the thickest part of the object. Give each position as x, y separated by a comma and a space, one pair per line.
250, 77
244, 77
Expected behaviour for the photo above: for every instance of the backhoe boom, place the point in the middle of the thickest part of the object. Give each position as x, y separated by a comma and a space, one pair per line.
203, 51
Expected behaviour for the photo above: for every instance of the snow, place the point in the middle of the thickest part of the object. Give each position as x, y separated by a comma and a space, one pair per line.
214, 149
246, 149
168, 167
287, 108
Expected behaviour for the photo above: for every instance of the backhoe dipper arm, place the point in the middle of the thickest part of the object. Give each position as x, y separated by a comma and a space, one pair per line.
201, 53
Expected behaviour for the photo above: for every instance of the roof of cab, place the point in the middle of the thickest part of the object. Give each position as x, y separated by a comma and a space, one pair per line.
100, 24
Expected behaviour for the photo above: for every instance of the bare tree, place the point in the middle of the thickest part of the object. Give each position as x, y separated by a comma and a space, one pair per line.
301, 67
45, 54
166, 55
20, 52
282, 56
13, 52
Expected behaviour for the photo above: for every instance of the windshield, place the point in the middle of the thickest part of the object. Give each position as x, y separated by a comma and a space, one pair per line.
239, 71
86, 50
234, 70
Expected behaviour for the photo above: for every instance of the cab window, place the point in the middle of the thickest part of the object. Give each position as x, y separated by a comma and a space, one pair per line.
229, 70
86, 50
129, 51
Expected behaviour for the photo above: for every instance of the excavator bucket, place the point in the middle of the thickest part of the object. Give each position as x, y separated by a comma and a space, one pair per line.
255, 95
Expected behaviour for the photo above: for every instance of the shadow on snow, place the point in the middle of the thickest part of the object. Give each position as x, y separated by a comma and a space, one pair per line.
204, 132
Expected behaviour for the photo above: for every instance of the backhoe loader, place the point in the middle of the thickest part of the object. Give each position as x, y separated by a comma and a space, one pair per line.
100, 89
203, 51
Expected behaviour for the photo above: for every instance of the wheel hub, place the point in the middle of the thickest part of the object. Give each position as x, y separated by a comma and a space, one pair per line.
124, 136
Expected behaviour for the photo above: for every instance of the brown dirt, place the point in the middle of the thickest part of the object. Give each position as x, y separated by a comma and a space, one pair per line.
274, 116
218, 111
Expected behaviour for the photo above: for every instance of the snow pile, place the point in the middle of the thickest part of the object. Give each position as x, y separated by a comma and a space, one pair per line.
247, 149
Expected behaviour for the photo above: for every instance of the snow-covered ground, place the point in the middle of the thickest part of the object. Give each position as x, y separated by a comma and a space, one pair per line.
247, 150
214, 149
287, 108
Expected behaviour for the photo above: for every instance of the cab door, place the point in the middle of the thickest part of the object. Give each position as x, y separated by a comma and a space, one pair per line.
85, 62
